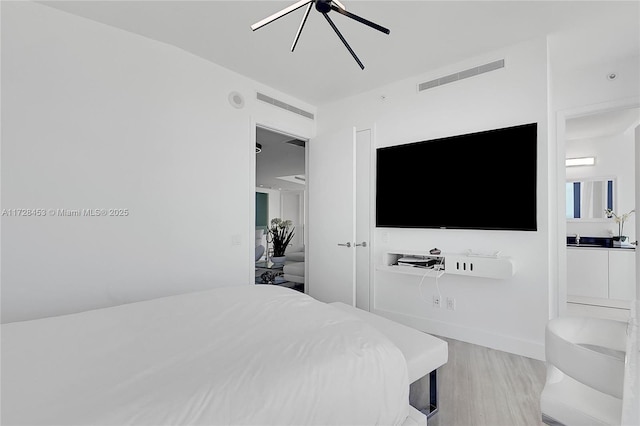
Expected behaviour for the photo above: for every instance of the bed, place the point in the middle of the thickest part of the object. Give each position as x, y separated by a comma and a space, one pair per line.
238, 355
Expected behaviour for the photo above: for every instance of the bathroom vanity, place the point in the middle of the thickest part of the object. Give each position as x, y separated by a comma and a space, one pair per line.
600, 274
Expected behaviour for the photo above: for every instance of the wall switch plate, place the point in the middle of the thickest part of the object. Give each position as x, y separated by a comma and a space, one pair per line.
451, 303
436, 301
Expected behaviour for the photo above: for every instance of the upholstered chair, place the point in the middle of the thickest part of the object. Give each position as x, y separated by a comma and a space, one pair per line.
259, 252
585, 371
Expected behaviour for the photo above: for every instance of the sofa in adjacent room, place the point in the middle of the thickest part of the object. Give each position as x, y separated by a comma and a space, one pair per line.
294, 266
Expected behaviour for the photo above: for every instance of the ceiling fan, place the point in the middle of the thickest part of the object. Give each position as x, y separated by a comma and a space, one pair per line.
324, 7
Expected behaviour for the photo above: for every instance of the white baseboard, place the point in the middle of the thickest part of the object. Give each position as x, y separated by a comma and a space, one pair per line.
499, 342
587, 310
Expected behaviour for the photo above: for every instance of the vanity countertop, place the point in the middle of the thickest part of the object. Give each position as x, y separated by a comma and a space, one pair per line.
596, 243
590, 247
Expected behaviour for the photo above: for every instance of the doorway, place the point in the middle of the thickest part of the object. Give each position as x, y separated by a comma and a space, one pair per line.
280, 194
607, 137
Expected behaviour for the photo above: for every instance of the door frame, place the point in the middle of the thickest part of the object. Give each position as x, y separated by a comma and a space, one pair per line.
371, 189
281, 128
559, 293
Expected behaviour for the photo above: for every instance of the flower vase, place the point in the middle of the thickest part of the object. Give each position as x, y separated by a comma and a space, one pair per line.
278, 260
620, 240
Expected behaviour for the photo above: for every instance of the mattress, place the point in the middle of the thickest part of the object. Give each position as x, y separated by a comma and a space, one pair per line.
237, 355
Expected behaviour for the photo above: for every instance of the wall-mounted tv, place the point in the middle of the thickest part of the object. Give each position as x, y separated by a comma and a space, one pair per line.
483, 180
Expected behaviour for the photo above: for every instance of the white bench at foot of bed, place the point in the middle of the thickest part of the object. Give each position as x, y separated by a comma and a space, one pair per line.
424, 355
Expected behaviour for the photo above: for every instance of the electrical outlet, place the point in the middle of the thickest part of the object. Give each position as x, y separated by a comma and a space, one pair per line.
451, 303
436, 301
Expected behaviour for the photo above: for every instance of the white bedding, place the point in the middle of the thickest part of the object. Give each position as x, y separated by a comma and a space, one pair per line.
242, 355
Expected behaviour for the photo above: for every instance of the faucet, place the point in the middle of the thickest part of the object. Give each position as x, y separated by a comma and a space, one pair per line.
577, 239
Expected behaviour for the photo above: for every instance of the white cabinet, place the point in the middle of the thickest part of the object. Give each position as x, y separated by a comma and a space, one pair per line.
600, 274
588, 273
622, 274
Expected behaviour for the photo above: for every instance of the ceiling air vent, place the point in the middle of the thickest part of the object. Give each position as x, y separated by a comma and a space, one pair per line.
297, 142
268, 99
491, 66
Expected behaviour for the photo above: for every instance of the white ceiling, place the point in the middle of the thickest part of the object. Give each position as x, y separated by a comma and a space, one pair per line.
279, 157
602, 124
424, 35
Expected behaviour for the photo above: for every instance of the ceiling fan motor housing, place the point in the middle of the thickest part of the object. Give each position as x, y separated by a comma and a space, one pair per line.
323, 6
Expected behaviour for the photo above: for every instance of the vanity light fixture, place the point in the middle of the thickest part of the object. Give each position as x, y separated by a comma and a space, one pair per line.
582, 161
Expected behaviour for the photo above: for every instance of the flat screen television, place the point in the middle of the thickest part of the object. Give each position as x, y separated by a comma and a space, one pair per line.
483, 180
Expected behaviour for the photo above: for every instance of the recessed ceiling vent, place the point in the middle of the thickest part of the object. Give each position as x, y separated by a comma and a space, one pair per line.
491, 66
296, 142
268, 99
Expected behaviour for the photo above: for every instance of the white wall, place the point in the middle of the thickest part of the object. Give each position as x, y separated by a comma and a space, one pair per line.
578, 88
96, 117
637, 164
505, 314
615, 157
274, 207
293, 210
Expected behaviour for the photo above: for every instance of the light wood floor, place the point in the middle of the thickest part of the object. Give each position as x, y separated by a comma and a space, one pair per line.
482, 386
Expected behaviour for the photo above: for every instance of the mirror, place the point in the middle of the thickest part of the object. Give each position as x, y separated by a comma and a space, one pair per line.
588, 198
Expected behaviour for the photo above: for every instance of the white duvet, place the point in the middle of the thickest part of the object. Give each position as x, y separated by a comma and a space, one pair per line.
242, 355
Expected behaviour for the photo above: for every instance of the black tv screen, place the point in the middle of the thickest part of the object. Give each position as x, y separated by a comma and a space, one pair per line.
484, 180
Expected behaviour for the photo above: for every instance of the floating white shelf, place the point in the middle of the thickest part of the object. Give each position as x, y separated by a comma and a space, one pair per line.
454, 263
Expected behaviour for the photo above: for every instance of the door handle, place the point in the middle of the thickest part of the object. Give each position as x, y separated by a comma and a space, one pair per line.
345, 245
364, 244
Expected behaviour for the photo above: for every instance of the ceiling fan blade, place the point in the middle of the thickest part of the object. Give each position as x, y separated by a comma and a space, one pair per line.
280, 14
343, 40
339, 4
361, 20
304, 20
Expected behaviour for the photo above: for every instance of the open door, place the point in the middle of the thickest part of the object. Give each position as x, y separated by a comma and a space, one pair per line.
331, 184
